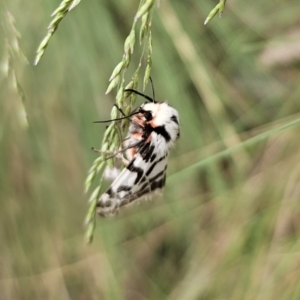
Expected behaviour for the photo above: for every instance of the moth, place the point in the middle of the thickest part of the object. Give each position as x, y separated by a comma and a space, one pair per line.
153, 131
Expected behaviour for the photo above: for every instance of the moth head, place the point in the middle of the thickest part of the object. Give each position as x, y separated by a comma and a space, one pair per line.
147, 114
161, 114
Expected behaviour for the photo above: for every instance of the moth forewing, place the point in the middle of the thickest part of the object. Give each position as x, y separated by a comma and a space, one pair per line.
153, 131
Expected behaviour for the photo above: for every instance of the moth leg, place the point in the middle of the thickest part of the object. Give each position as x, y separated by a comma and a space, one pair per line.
116, 154
97, 150
122, 159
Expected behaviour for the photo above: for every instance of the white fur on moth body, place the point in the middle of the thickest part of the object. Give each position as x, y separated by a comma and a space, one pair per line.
153, 131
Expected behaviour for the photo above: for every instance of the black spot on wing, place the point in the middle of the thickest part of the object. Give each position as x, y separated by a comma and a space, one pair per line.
141, 193
151, 168
124, 188
152, 157
146, 151
143, 179
154, 164
162, 131
109, 192
164, 180
144, 186
157, 176
174, 119
131, 167
158, 184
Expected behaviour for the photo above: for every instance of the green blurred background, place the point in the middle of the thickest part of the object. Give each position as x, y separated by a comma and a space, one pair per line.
228, 224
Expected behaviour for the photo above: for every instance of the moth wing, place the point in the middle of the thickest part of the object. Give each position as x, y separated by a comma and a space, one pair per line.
141, 177
153, 180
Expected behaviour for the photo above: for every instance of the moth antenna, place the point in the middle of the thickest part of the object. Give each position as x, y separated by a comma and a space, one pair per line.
153, 92
141, 94
117, 119
120, 151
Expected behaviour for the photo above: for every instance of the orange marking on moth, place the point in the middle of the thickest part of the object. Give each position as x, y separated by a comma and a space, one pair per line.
152, 124
148, 140
138, 135
138, 120
131, 152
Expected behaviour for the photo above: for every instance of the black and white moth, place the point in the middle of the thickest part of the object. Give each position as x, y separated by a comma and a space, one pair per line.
152, 133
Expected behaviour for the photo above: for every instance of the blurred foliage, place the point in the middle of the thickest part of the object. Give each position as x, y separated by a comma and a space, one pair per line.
228, 224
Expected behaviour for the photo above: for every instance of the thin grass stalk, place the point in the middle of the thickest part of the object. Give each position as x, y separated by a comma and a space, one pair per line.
202, 79
13, 56
219, 8
58, 15
111, 141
